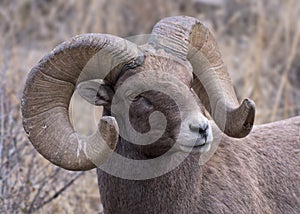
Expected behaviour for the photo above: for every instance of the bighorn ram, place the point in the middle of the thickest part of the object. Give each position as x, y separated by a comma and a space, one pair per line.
259, 173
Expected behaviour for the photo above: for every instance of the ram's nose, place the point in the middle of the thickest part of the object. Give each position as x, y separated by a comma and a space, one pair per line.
201, 128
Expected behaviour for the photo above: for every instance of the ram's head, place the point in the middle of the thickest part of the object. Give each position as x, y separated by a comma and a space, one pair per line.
157, 92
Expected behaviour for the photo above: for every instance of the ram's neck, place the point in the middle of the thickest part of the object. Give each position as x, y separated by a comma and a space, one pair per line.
177, 189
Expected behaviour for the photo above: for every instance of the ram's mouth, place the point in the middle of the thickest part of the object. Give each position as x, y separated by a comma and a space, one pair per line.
198, 146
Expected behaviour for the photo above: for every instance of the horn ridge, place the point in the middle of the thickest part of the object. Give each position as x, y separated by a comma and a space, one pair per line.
47, 94
188, 39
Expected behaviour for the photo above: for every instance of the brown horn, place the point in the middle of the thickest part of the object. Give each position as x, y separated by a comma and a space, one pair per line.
188, 39
48, 91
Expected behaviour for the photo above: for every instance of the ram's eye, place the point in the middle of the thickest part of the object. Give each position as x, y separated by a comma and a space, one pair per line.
134, 97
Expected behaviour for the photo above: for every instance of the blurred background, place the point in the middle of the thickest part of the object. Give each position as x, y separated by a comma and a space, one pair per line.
259, 41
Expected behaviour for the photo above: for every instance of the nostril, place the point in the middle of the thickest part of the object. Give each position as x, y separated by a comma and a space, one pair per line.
202, 130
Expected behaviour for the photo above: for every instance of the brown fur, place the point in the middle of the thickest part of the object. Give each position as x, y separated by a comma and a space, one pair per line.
257, 174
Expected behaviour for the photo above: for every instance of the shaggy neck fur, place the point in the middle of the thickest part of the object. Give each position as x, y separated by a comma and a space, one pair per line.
251, 175
177, 189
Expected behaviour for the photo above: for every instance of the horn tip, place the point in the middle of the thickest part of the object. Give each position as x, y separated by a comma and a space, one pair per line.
241, 120
247, 126
109, 129
249, 104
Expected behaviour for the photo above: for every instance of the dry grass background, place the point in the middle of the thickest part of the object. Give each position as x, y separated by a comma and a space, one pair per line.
259, 40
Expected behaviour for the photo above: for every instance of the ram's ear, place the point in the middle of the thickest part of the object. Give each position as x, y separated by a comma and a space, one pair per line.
96, 93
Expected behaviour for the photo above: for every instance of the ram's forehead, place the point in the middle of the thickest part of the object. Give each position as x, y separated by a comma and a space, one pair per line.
162, 63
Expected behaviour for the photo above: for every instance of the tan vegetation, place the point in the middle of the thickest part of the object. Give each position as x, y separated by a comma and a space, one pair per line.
259, 40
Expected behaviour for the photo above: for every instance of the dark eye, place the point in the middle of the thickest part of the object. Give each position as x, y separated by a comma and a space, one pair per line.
134, 97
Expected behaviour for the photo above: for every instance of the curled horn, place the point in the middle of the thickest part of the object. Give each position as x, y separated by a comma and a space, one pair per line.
47, 94
188, 39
